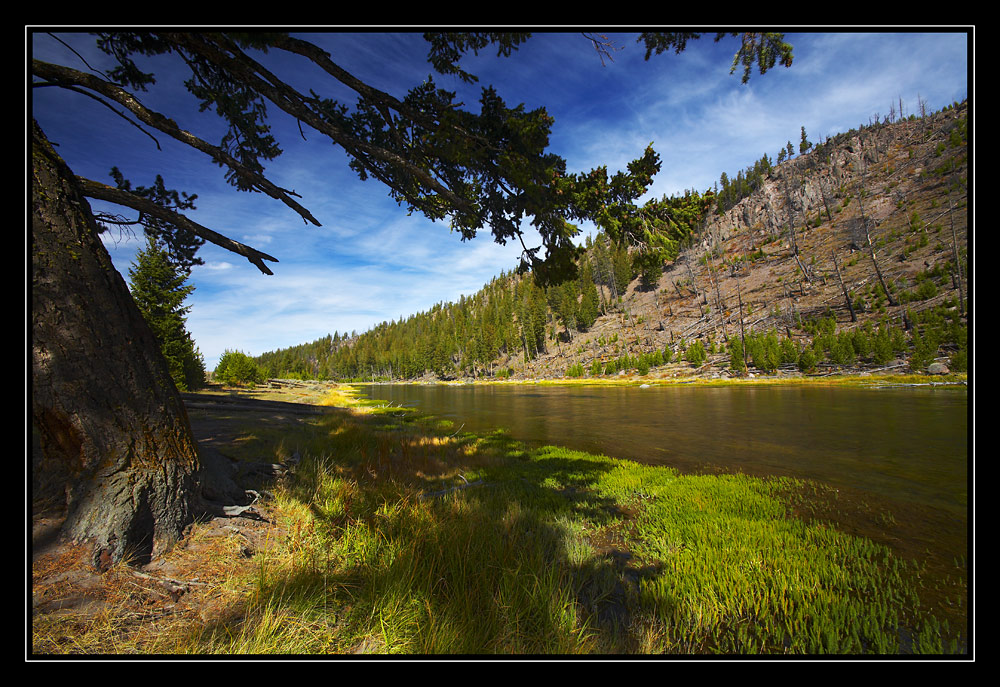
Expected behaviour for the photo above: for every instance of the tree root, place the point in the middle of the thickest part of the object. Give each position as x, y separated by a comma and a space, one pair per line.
221, 494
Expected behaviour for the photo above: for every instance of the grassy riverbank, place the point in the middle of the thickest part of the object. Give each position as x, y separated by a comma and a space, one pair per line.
397, 534
846, 379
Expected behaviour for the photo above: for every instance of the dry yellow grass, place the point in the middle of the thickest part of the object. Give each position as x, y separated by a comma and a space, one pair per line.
203, 581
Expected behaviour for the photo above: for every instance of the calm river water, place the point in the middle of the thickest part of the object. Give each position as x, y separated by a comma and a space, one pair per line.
905, 448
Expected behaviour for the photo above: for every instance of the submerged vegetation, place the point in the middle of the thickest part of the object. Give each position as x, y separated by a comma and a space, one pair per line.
397, 534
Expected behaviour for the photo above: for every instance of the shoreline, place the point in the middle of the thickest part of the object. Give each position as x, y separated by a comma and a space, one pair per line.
860, 379
814, 504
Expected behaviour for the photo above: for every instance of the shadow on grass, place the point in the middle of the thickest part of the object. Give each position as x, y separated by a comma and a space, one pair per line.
498, 560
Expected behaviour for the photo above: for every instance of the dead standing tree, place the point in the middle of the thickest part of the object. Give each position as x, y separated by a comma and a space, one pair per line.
847, 297
866, 227
791, 224
956, 258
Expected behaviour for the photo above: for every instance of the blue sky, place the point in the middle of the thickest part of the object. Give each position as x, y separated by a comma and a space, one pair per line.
370, 262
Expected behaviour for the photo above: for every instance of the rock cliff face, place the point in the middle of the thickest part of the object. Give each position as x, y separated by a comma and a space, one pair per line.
815, 181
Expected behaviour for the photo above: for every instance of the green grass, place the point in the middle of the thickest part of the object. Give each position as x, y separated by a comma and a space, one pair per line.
401, 538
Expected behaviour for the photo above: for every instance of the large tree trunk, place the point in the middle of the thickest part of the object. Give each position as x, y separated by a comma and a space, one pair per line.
117, 447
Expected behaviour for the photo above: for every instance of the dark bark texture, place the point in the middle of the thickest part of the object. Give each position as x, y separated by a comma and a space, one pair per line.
116, 444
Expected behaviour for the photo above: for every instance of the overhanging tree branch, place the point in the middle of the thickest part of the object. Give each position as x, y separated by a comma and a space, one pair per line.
321, 58
99, 191
71, 78
250, 72
102, 102
489, 169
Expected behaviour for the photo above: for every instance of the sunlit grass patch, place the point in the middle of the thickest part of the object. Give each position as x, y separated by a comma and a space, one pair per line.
343, 396
737, 575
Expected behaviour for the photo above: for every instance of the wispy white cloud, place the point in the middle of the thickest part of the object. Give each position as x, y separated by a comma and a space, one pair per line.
218, 265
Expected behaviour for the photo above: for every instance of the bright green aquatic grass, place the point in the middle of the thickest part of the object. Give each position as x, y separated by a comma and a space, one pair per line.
736, 574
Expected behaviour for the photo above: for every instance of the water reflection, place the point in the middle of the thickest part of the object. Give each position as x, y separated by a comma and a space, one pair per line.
906, 444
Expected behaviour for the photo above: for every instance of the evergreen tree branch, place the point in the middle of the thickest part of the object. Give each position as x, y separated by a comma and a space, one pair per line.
68, 78
251, 73
99, 191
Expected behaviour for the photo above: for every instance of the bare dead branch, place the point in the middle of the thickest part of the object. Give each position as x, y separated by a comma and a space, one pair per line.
604, 46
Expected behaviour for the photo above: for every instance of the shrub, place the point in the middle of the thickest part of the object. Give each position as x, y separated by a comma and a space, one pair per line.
807, 359
927, 290
736, 362
695, 354
861, 340
924, 350
881, 346
667, 354
764, 350
237, 369
789, 352
842, 351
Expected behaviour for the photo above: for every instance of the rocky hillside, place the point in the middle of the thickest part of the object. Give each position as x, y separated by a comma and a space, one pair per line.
852, 255
886, 204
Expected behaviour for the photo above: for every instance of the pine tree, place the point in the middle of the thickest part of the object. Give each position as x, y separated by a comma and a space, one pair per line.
623, 268
804, 144
159, 289
236, 368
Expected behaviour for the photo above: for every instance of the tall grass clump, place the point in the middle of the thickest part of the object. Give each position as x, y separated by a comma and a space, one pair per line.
736, 575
